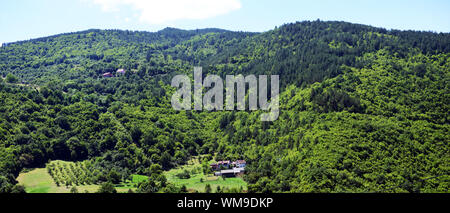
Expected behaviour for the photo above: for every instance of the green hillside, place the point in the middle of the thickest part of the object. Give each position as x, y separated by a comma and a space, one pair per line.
363, 109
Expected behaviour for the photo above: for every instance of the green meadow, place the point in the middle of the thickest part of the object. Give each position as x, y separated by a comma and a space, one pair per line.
40, 181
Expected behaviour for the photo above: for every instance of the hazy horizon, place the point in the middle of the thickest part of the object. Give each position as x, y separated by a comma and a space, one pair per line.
28, 19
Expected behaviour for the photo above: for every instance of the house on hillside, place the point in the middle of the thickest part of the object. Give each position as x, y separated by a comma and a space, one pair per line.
220, 164
226, 169
107, 75
120, 71
227, 165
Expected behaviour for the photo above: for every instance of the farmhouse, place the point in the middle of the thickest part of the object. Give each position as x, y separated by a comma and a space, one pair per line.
227, 169
220, 164
120, 71
107, 75
110, 75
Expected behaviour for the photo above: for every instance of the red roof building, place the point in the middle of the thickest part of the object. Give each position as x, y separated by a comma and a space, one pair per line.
107, 75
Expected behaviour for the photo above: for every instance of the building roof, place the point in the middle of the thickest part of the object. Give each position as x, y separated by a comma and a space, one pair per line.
240, 161
232, 171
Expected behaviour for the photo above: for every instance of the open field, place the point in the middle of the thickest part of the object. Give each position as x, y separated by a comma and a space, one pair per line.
40, 181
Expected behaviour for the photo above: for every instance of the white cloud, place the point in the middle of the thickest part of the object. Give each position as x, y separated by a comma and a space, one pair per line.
163, 11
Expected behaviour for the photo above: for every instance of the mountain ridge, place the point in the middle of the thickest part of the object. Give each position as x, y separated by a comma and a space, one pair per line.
208, 30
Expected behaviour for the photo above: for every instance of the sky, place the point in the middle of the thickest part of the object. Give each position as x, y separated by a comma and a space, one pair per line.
27, 19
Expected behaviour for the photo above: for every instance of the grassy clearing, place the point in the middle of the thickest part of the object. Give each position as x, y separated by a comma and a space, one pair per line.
198, 181
40, 181
61, 176
138, 178
131, 184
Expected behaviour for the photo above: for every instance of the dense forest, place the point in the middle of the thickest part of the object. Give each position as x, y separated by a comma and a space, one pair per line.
363, 109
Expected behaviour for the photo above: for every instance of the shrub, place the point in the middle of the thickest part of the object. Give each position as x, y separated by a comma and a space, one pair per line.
10, 78
107, 187
184, 174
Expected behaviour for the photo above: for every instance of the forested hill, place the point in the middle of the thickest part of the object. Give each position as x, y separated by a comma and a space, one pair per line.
363, 109
93, 52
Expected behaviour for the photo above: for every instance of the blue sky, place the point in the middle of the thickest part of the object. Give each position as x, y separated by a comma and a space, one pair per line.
25, 19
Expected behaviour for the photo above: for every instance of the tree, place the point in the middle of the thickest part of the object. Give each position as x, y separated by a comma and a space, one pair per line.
136, 134
74, 190
166, 160
5, 185
184, 174
205, 167
183, 189
10, 78
114, 177
149, 186
208, 188
63, 122
18, 189
155, 169
218, 189
107, 187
